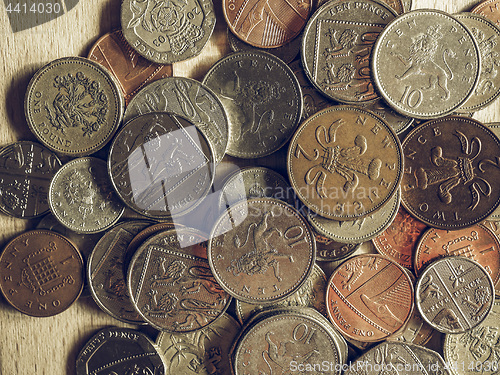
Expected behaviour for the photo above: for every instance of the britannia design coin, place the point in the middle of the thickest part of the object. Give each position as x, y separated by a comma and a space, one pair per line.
489, 9
261, 250
25, 171
161, 165
42, 273
337, 45
262, 98
451, 169
167, 32
73, 106
344, 163
426, 64
495, 128
328, 250
454, 294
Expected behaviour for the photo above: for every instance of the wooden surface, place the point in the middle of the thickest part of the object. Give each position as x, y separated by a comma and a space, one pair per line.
50, 345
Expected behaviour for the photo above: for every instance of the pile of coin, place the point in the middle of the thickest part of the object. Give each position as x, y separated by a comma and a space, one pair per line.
160, 207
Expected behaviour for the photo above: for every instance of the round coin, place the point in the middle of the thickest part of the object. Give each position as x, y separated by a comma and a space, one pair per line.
328, 250
395, 120
42, 273
495, 128
416, 331
73, 106
489, 9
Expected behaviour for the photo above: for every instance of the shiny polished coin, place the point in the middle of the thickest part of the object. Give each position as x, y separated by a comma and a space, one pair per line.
26, 169
167, 32
454, 294
73, 106
189, 99
395, 120
416, 331
171, 284
337, 47
42, 273
489, 9
205, 351
426, 64
119, 351
344, 163
328, 250
451, 172
261, 250
369, 298
161, 165
262, 98
131, 70
495, 128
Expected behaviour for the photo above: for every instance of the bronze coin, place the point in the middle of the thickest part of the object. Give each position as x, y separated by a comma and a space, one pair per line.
451, 172
144, 234
42, 273
369, 298
489, 9
328, 250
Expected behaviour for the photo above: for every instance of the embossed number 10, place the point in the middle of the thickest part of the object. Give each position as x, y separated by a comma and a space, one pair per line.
411, 98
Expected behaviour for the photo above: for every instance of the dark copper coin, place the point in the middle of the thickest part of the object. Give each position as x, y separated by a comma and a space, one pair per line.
42, 273
451, 172
489, 9
369, 298
328, 250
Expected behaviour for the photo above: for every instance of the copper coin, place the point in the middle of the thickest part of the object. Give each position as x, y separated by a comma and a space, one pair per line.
42, 273
399, 241
144, 234
266, 23
451, 172
369, 298
489, 9
131, 70
495, 128
328, 250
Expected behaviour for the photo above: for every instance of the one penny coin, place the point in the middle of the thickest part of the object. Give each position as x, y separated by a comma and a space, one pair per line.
489, 9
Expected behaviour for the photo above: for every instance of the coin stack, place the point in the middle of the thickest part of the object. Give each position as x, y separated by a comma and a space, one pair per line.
321, 201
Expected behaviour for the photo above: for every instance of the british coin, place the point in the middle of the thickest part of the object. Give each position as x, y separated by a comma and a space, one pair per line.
416, 331
369, 298
167, 32
399, 241
261, 250
42, 273
161, 165
489, 9
131, 70
205, 351
81, 196
262, 98
189, 99
337, 45
119, 351
171, 284
495, 128
25, 171
397, 5
328, 250
395, 120
407, 5
73, 106
426, 64
344, 163
264, 23
451, 160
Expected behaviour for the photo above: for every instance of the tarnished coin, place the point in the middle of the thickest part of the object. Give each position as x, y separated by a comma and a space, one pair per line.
416, 331
167, 31
451, 172
261, 250
344, 163
81, 196
262, 98
395, 120
489, 9
171, 284
73, 106
205, 351
328, 250
119, 351
161, 165
337, 45
25, 171
144, 234
266, 23
187, 98
495, 128
131, 70
369, 298
426, 64
42, 273
454, 294
407, 5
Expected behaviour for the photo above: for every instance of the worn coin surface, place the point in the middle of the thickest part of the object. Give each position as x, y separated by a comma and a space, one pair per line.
426, 64
26, 169
73, 106
454, 294
167, 31
416, 331
187, 98
337, 47
42, 273
369, 298
495, 128
344, 163
328, 250
489, 9
451, 172
262, 98
395, 120
161, 165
